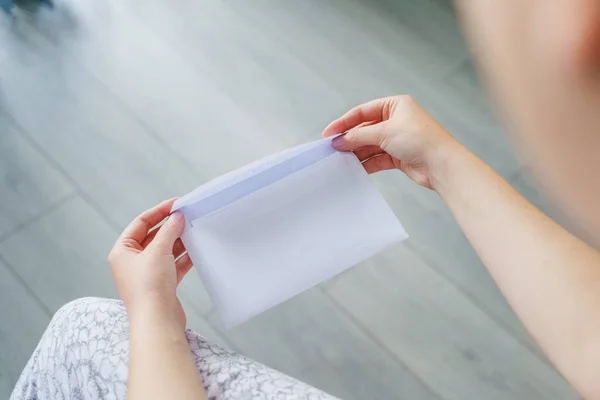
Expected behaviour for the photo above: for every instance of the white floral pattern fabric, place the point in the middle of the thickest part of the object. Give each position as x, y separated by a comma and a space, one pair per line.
84, 354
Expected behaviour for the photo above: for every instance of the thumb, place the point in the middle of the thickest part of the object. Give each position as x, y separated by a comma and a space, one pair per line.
370, 135
169, 233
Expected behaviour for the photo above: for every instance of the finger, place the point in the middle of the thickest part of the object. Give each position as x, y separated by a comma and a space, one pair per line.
178, 247
378, 163
166, 236
149, 238
363, 153
183, 266
371, 135
371, 111
138, 229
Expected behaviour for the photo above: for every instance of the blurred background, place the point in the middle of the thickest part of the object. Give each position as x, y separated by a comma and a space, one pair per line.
108, 107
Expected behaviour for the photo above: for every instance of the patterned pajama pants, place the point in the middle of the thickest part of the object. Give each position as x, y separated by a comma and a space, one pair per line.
84, 354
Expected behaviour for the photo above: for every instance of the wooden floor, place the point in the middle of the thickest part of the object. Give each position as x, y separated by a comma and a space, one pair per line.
108, 107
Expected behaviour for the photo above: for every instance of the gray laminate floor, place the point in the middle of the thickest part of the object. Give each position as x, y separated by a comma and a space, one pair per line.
108, 107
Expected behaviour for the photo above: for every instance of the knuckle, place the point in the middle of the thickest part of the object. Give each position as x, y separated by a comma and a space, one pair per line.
404, 99
351, 134
384, 140
381, 137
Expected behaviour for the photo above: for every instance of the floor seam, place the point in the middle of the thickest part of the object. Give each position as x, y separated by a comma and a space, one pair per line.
476, 303
26, 287
457, 68
371, 336
37, 216
151, 132
54, 164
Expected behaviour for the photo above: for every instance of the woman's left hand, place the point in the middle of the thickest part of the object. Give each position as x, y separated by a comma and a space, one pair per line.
147, 264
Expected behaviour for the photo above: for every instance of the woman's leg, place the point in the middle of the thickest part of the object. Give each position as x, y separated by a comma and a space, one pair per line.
228, 375
85, 351
82, 355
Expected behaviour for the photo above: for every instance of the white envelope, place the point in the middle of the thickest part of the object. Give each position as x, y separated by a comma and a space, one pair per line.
279, 226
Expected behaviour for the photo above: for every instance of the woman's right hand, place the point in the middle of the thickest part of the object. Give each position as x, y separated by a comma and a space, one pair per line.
394, 132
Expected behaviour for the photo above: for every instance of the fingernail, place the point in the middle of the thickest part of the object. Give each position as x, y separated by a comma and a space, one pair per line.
338, 142
177, 216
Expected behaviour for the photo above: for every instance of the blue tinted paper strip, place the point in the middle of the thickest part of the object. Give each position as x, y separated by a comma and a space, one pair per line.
261, 179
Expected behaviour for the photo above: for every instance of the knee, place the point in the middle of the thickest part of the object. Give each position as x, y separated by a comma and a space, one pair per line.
90, 304
90, 311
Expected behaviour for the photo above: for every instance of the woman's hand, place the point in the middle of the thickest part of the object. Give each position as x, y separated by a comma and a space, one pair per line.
393, 132
147, 264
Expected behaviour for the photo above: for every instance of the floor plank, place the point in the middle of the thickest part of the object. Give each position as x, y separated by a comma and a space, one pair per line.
303, 56
459, 103
308, 338
92, 136
265, 77
23, 322
85, 129
437, 238
440, 334
62, 256
187, 108
524, 182
28, 184
394, 37
540, 196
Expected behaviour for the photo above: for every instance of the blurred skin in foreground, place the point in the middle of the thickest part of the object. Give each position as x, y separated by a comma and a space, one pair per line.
541, 61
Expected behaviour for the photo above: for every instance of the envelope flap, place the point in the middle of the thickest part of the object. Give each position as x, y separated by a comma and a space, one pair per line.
241, 182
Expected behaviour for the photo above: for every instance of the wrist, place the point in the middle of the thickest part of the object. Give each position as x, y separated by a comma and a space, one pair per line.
154, 310
442, 163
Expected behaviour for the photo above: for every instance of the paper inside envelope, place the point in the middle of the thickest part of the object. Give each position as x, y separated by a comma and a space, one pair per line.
279, 226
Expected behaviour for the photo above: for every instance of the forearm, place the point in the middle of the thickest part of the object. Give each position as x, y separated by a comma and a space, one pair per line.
550, 278
161, 364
